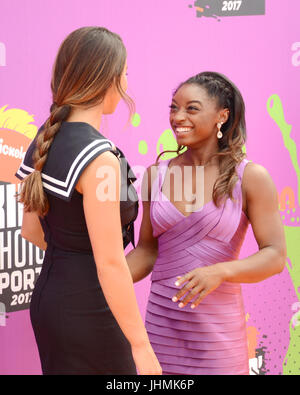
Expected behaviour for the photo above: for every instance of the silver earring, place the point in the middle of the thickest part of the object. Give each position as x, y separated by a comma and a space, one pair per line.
219, 134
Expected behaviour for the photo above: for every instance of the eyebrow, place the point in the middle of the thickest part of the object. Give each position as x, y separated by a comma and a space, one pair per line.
191, 101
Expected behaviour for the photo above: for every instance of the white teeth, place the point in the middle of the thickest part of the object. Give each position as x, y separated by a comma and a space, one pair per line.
179, 130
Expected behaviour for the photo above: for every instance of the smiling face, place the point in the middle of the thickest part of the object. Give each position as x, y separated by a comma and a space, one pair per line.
194, 116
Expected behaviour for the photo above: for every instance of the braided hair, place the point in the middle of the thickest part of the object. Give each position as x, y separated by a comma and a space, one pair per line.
88, 62
230, 146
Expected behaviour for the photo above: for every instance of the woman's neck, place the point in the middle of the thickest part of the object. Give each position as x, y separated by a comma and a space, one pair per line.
91, 116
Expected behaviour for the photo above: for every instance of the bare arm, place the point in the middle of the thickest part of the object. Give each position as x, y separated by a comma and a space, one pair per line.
32, 230
104, 227
263, 214
141, 259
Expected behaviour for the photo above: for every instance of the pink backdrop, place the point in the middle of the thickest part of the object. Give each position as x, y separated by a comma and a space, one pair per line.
167, 41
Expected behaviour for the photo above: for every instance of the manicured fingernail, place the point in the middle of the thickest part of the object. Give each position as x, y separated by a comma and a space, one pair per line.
193, 306
174, 299
180, 305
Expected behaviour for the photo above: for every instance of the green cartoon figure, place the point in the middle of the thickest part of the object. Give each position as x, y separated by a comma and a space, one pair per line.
290, 216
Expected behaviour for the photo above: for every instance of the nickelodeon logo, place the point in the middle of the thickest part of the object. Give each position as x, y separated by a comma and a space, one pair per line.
17, 153
16, 132
20, 261
2, 54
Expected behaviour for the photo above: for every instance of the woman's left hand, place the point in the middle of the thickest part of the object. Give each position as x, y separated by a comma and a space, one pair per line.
199, 283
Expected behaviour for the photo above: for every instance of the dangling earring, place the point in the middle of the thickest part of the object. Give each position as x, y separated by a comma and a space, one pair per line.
219, 134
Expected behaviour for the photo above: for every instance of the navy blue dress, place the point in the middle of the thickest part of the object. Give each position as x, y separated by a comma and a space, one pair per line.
75, 331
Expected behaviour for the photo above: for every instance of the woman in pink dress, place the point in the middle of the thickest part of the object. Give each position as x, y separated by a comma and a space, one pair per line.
191, 242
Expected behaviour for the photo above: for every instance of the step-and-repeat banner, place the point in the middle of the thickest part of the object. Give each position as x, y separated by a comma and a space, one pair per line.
256, 43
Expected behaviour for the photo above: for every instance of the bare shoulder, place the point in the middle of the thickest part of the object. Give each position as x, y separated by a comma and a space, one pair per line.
257, 181
153, 169
107, 158
151, 173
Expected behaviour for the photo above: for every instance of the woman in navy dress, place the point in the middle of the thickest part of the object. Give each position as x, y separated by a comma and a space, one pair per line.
83, 309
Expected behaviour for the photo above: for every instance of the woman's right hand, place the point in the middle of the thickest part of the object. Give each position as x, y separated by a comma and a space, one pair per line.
145, 360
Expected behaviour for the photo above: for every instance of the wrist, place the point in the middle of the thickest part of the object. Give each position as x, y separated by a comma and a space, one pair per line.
140, 341
225, 270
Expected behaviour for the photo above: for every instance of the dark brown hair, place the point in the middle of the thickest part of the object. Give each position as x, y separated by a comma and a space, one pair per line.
88, 62
230, 146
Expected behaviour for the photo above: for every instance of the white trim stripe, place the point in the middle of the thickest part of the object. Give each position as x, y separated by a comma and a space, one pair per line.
23, 175
82, 164
59, 191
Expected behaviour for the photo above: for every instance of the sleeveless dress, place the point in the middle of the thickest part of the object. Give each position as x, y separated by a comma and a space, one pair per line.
210, 339
76, 332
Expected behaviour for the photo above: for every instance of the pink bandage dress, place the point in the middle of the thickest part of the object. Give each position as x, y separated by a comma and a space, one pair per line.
210, 339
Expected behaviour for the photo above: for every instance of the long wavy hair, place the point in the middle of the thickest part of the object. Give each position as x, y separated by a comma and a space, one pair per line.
89, 61
230, 146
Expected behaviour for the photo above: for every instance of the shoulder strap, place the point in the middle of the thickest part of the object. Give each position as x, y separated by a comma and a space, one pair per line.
241, 167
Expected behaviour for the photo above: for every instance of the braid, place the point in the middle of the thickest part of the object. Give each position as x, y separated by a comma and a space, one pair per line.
32, 194
45, 138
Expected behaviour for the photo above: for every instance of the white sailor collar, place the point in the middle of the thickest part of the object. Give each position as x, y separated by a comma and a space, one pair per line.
75, 145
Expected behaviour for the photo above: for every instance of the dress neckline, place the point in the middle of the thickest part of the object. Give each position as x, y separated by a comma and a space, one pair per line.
165, 164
